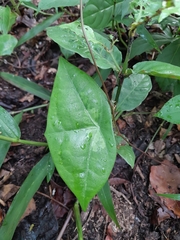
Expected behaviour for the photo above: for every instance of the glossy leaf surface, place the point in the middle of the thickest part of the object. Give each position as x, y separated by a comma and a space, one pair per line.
70, 36
24, 195
79, 132
159, 69
105, 198
125, 151
134, 90
171, 110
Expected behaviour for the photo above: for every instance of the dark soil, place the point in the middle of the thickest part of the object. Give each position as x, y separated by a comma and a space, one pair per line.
136, 209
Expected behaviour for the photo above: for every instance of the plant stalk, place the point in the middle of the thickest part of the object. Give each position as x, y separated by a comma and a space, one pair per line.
93, 59
26, 142
29, 109
78, 220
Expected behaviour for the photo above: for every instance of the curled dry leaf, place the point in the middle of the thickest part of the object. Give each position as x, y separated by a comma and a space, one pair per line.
1, 216
165, 178
28, 97
8, 191
117, 181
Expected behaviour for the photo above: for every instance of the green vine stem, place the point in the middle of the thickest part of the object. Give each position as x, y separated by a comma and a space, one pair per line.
26, 142
78, 220
30, 109
93, 59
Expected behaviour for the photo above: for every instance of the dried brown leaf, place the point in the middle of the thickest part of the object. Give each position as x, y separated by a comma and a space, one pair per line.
165, 178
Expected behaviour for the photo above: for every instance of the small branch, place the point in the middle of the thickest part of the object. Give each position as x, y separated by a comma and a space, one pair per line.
65, 225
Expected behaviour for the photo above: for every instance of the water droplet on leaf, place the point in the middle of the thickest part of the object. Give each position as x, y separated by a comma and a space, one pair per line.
81, 175
103, 170
83, 146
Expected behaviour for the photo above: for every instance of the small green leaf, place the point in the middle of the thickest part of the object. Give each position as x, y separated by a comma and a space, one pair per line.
159, 69
143, 32
171, 110
7, 19
80, 133
106, 199
159, 39
70, 36
8, 126
7, 44
125, 151
26, 85
168, 11
45, 4
4, 145
134, 90
24, 195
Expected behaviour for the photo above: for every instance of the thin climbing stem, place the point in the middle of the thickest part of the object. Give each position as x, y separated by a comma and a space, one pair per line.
30, 109
93, 59
26, 142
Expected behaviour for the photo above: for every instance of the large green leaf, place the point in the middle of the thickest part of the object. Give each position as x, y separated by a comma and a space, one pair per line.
159, 69
170, 54
7, 44
106, 199
134, 90
171, 110
70, 36
98, 14
26, 85
45, 4
79, 132
24, 195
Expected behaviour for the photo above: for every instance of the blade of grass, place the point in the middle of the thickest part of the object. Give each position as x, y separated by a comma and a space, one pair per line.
24, 195
37, 29
105, 198
26, 85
